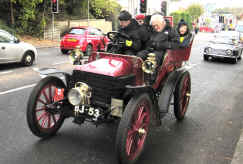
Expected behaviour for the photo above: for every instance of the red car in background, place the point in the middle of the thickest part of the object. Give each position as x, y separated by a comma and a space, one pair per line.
88, 38
206, 29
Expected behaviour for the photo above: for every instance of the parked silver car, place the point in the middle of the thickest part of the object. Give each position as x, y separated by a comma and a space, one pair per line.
13, 50
225, 44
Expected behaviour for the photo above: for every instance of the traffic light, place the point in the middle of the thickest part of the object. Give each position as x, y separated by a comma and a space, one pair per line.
54, 4
164, 8
143, 6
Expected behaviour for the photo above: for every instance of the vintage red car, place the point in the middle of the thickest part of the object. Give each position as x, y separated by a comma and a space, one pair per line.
88, 38
113, 87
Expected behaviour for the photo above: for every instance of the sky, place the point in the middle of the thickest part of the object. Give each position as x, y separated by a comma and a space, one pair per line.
214, 3
185, 3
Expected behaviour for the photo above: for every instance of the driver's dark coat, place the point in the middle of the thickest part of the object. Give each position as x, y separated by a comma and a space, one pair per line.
132, 30
166, 39
159, 42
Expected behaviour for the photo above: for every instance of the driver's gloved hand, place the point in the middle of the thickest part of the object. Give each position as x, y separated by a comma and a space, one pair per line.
128, 43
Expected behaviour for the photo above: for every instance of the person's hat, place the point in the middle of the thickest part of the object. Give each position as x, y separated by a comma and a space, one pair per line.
124, 16
182, 23
140, 17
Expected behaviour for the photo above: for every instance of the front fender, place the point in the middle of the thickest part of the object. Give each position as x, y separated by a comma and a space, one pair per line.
168, 90
63, 76
135, 90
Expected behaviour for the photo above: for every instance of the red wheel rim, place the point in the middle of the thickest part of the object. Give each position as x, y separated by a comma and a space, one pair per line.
45, 118
185, 96
138, 130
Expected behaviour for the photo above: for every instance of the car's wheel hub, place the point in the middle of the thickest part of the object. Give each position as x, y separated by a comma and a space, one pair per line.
28, 58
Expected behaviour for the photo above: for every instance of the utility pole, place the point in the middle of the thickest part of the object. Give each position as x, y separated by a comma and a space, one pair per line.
88, 12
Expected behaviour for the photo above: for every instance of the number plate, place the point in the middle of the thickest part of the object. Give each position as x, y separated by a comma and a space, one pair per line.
71, 40
87, 110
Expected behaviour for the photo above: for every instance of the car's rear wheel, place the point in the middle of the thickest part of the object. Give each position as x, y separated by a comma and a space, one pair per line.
182, 96
88, 50
64, 51
28, 58
133, 129
43, 117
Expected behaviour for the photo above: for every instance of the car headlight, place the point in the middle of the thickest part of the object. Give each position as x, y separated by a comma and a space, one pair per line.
208, 50
80, 94
229, 52
74, 97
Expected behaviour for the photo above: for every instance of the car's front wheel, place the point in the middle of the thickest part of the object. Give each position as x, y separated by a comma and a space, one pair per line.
44, 118
64, 51
234, 60
133, 129
28, 58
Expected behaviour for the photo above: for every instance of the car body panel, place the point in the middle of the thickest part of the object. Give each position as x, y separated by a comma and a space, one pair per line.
91, 36
13, 51
109, 66
117, 63
222, 43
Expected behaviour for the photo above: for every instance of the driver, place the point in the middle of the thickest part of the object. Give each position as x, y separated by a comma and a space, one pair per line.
130, 27
161, 38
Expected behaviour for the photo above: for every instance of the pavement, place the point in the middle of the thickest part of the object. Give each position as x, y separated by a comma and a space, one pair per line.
39, 43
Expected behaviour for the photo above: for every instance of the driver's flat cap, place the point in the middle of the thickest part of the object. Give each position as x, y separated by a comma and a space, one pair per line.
124, 16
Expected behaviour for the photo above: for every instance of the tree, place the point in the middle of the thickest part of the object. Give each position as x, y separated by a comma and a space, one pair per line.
12, 11
235, 11
104, 8
178, 15
31, 16
195, 11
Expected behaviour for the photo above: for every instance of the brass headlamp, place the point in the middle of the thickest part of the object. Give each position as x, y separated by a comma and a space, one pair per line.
150, 64
80, 94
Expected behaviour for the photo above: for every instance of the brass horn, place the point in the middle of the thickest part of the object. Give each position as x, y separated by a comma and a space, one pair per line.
150, 64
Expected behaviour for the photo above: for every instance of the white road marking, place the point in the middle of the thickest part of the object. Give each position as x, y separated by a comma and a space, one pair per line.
63, 62
36, 69
190, 65
17, 89
5, 72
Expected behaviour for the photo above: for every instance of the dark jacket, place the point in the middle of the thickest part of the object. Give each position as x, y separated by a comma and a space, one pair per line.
132, 31
166, 39
144, 34
185, 38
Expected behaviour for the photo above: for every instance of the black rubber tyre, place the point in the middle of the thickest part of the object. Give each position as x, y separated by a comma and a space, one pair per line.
133, 129
240, 55
205, 57
182, 96
64, 51
234, 60
38, 114
88, 50
28, 58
